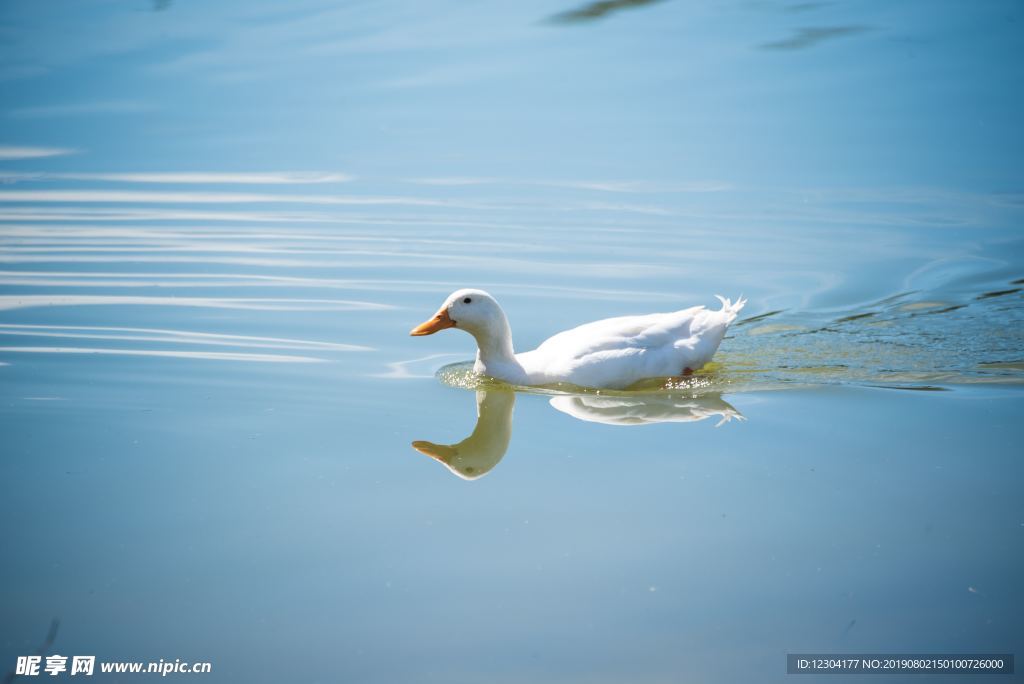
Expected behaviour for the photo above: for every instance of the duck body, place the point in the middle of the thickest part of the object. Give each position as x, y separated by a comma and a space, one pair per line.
612, 353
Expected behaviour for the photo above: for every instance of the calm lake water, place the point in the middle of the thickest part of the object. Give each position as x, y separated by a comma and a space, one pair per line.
219, 221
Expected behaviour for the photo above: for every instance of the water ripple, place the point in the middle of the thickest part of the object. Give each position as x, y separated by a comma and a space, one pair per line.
173, 336
139, 197
9, 302
171, 353
184, 177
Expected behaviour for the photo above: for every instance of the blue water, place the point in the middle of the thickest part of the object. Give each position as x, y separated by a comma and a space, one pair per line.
219, 221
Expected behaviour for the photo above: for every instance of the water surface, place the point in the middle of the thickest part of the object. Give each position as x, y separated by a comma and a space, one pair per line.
219, 222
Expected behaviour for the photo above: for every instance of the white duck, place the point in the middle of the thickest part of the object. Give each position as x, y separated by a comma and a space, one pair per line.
613, 353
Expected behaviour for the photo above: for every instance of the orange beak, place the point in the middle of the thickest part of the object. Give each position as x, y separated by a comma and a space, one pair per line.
440, 321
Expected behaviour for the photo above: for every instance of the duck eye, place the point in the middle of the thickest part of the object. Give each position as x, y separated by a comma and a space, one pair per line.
467, 300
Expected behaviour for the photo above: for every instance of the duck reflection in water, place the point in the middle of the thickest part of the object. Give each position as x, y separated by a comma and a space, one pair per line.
476, 455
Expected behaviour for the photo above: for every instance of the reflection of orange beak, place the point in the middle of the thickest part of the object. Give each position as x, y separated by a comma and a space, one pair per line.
438, 452
440, 321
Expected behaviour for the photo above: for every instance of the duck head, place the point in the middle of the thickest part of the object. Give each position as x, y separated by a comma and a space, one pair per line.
474, 311
478, 313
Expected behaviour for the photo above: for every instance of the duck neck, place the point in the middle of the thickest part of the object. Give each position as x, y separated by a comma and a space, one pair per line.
494, 344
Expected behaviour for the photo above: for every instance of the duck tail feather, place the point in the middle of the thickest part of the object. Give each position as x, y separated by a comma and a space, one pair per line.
730, 308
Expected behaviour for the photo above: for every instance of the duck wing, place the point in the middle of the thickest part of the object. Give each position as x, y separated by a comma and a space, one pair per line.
646, 331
